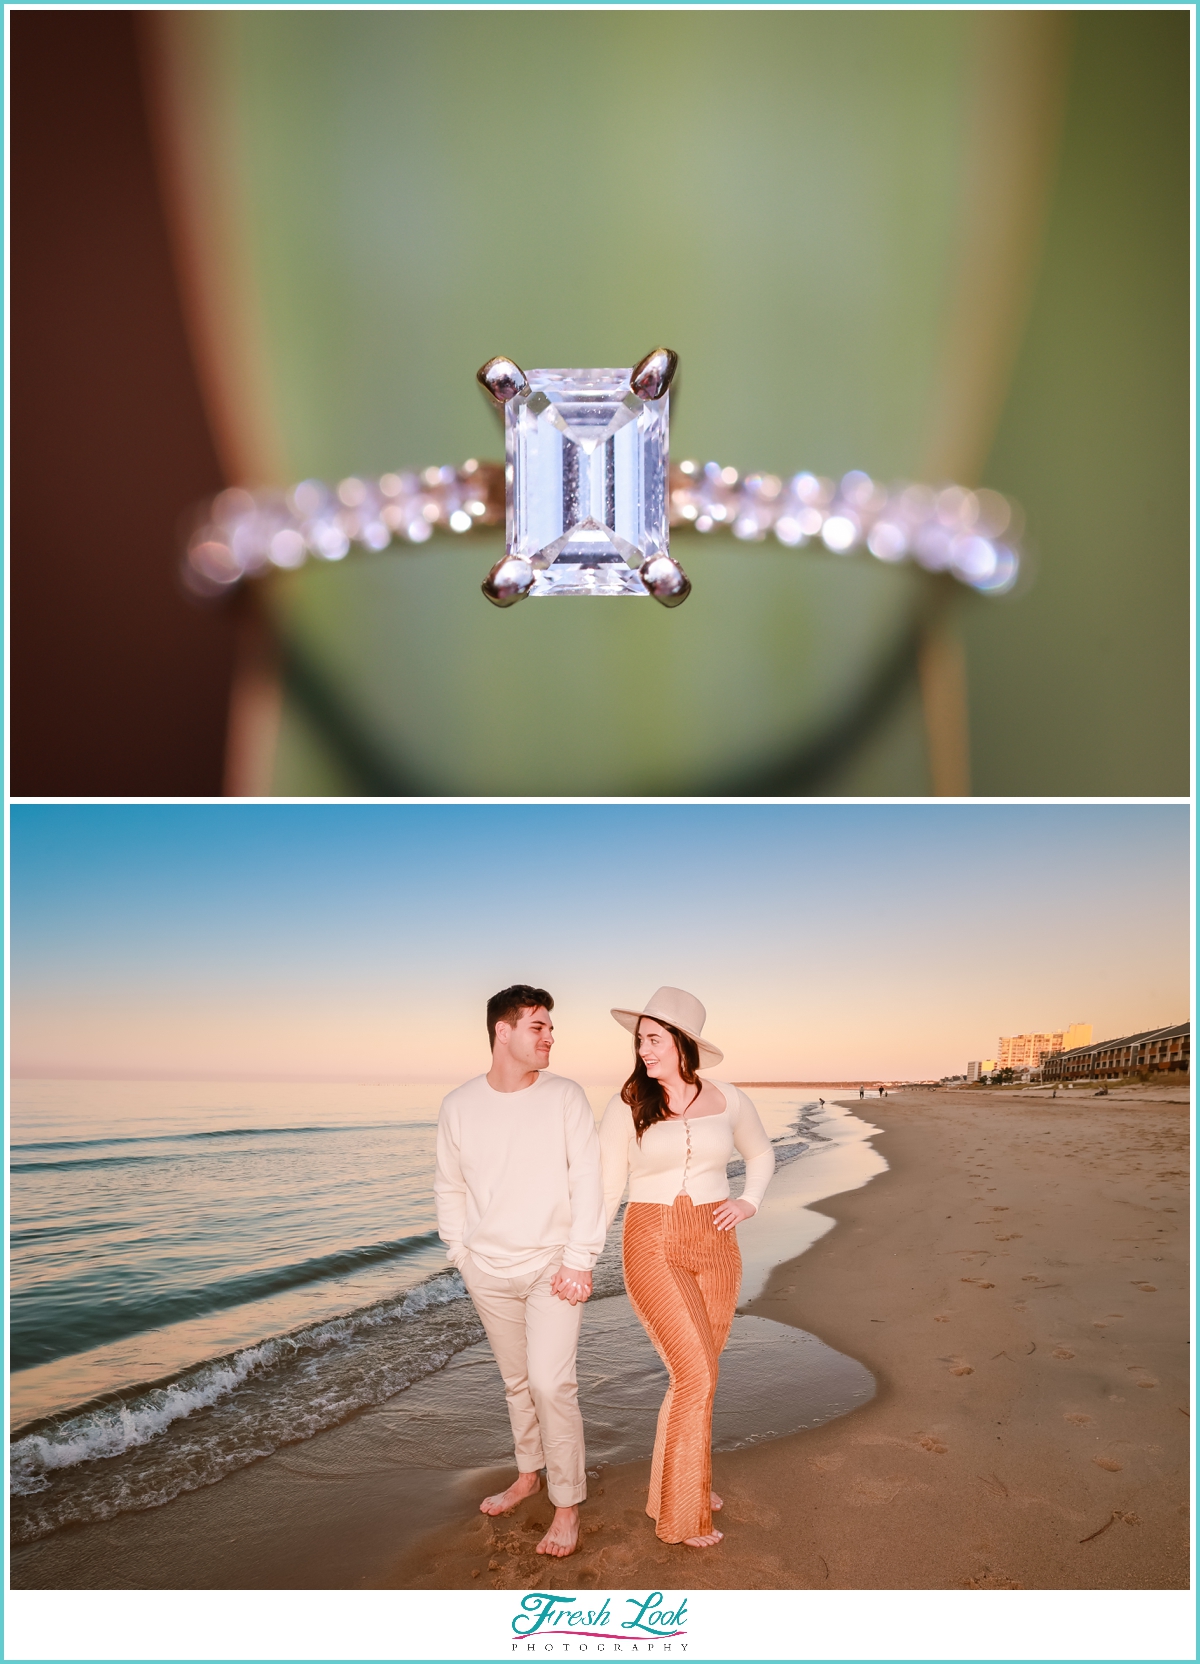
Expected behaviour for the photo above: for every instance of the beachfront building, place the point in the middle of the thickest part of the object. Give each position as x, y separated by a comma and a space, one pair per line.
976, 1070
1026, 1051
1155, 1051
1022, 1051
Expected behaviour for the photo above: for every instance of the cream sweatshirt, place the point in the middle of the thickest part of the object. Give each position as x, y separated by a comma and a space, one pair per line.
687, 1156
518, 1176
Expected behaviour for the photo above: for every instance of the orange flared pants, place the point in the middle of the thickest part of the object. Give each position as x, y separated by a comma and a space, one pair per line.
683, 1276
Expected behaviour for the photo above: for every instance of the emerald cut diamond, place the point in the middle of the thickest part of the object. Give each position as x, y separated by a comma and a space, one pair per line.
587, 481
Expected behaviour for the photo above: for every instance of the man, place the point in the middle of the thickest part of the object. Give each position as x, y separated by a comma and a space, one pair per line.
520, 1207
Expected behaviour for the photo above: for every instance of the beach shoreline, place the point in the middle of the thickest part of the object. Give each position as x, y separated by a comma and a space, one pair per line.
1017, 1282
392, 1469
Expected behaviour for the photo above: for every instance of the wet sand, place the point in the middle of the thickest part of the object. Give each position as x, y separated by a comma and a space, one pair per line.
1017, 1282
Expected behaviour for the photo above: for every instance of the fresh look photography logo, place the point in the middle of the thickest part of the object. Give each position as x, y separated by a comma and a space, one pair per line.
624, 1624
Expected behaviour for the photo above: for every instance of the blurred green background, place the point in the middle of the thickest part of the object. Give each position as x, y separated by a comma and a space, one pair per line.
805, 206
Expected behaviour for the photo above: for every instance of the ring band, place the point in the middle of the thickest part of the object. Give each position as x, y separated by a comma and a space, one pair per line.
581, 441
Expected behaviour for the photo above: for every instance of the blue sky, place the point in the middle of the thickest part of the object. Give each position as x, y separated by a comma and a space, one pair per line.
361, 940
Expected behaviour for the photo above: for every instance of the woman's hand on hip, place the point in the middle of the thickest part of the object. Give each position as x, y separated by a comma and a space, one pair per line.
571, 1285
726, 1215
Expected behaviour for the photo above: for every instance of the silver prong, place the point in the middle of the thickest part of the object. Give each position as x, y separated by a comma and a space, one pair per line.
501, 379
666, 580
652, 377
509, 581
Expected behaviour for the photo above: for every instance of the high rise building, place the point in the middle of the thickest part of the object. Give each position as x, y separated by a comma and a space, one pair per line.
1026, 1051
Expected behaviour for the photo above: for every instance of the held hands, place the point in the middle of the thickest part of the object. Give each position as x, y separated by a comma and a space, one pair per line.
728, 1214
571, 1285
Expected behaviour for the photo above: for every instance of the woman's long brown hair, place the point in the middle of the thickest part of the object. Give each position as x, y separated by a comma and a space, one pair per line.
645, 1095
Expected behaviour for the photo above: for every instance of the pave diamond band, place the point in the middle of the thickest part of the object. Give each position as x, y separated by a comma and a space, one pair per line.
245, 534
588, 497
969, 534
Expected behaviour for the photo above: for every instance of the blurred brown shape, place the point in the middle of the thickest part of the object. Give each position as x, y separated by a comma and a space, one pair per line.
120, 685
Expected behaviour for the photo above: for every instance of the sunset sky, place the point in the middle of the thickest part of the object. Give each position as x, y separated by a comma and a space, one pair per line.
361, 941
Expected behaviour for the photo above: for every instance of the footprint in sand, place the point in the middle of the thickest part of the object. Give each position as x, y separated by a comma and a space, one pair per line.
828, 1464
944, 1318
976, 1282
876, 1490
1146, 1288
1062, 1352
933, 1445
991, 1580
1147, 1383
962, 1369
1078, 1420
1107, 1463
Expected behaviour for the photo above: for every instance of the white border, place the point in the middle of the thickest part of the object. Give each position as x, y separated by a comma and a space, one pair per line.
720, 1624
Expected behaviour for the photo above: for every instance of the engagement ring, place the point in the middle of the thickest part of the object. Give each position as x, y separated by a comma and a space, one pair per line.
588, 498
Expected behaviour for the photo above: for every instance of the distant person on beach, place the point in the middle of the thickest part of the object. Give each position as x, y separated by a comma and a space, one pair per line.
862, 1092
520, 1207
671, 1136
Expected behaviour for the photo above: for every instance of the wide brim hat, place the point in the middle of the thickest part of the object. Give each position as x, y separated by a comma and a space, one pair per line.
683, 1011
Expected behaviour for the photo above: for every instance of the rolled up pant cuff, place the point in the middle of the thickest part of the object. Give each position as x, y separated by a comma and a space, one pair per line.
566, 1499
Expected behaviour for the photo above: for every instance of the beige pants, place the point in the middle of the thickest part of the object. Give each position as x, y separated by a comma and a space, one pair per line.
534, 1336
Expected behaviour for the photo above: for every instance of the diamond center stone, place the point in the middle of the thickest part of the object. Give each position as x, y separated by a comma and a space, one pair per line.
587, 481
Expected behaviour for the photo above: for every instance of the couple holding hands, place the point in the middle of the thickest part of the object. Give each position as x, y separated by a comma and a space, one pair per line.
526, 1191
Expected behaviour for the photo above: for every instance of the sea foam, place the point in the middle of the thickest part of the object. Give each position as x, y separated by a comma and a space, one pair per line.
149, 1444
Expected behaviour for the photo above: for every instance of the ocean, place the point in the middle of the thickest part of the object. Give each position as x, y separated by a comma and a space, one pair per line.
204, 1273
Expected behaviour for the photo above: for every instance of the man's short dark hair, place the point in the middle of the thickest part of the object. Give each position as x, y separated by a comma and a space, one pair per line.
508, 1004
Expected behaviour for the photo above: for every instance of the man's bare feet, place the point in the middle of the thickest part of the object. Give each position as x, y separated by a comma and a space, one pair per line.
703, 1542
716, 1502
504, 1502
563, 1534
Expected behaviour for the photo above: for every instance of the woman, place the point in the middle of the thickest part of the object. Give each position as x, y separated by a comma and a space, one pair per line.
671, 1135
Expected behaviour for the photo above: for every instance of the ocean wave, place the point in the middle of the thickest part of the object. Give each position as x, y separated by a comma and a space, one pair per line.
141, 1448
84, 1161
145, 1446
215, 1132
44, 1327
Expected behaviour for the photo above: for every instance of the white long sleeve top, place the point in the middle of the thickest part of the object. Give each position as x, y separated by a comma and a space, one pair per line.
518, 1175
684, 1155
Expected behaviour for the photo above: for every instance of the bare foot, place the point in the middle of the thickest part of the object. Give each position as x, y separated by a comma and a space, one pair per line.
563, 1534
504, 1502
703, 1542
716, 1502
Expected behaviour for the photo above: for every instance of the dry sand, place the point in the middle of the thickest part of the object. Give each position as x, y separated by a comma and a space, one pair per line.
1018, 1284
